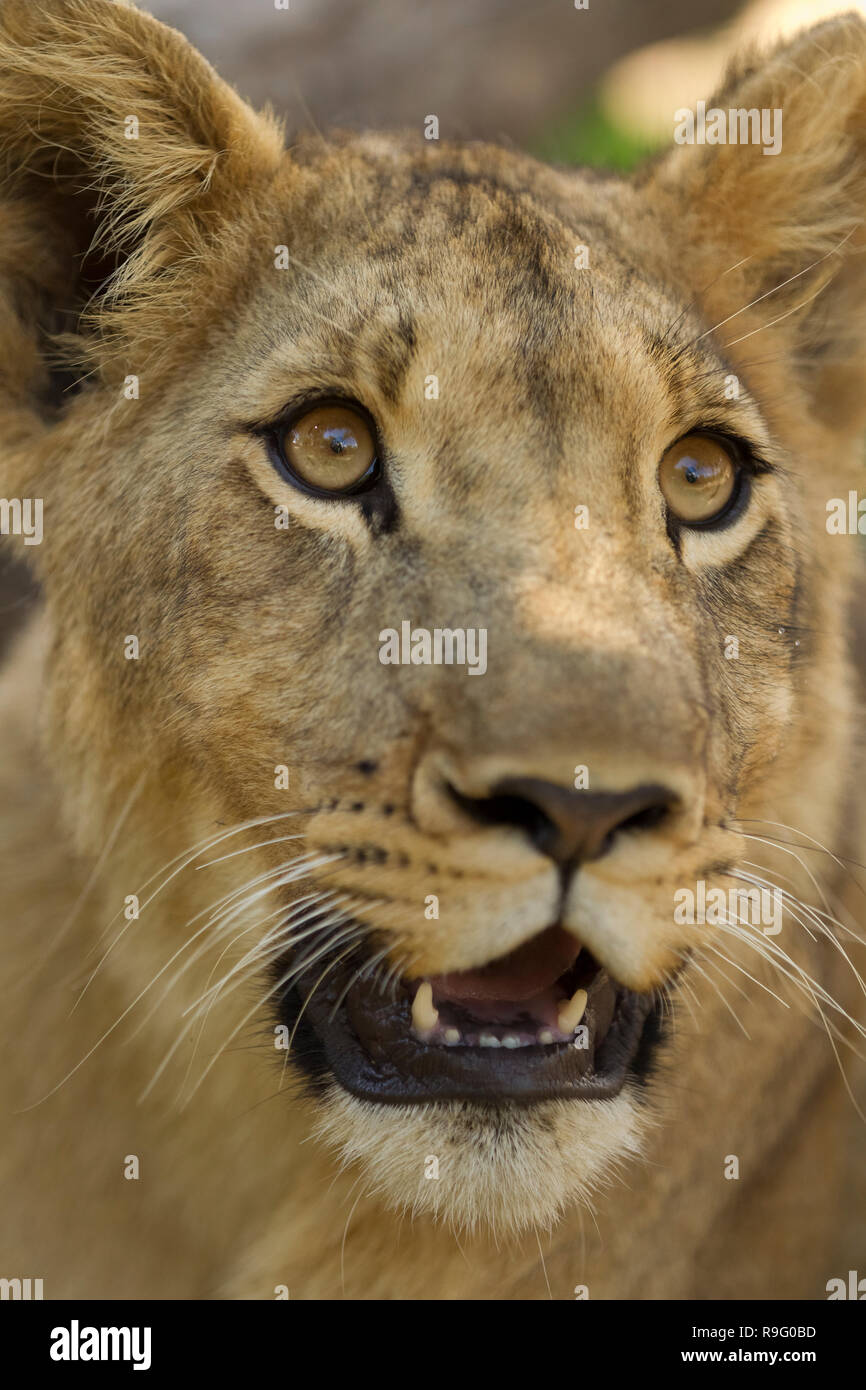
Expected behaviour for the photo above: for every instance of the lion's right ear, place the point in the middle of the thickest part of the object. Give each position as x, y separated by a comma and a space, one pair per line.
124, 161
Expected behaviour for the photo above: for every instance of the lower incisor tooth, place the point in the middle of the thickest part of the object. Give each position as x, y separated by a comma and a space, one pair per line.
424, 1016
571, 1013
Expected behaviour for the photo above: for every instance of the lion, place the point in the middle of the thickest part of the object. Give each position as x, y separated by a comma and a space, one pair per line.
432, 778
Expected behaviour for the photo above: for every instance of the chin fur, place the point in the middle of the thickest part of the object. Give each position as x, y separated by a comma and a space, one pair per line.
507, 1169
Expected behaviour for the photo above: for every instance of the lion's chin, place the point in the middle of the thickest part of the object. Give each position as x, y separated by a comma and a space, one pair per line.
504, 1168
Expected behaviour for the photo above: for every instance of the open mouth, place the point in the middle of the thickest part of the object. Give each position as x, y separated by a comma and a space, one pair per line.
542, 1022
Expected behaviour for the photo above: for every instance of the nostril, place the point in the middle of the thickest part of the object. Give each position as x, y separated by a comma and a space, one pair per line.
515, 811
569, 826
648, 818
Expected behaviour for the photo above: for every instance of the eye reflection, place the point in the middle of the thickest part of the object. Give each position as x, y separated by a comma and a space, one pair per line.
330, 448
698, 477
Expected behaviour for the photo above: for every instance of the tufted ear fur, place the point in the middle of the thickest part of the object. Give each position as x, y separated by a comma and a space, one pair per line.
783, 232
125, 162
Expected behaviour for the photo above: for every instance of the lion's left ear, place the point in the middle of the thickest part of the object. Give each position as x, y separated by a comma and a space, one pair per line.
768, 229
126, 164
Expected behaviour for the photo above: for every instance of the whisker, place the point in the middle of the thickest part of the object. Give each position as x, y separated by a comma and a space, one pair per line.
247, 849
745, 972
270, 946
357, 976
91, 880
761, 839
822, 927
187, 856
779, 317
767, 293
235, 893
697, 966
698, 297
118, 1020
280, 984
314, 900
185, 1032
801, 979
841, 860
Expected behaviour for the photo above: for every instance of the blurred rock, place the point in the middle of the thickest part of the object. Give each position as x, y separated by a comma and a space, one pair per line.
643, 90
493, 69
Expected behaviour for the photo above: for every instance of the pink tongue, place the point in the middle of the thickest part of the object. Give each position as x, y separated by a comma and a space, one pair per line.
542, 1009
523, 974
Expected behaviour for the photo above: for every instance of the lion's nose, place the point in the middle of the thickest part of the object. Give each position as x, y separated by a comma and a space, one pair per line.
569, 826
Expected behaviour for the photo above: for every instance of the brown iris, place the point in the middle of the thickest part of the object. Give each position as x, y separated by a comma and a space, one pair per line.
331, 448
698, 477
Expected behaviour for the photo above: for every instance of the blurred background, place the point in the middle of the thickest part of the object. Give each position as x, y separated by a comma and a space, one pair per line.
596, 85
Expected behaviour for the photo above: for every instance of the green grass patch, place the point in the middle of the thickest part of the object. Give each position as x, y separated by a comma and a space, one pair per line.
590, 137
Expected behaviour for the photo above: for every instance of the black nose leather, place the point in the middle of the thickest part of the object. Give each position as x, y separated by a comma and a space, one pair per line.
569, 826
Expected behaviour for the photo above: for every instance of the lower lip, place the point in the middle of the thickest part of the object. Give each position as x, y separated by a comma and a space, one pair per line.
370, 1049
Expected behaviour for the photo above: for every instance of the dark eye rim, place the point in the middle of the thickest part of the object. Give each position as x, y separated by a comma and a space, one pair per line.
274, 433
746, 467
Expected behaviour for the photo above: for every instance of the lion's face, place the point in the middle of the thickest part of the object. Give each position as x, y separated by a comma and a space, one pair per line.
474, 412
499, 840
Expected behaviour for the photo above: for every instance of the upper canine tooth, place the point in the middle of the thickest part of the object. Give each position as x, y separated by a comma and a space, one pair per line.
424, 1016
571, 1013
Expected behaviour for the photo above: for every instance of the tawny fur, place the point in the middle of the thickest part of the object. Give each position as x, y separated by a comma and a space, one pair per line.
258, 648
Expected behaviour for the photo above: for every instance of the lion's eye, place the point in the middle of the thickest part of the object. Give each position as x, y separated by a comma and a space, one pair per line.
698, 477
331, 449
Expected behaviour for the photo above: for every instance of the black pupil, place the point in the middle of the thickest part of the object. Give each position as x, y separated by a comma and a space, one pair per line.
339, 440
692, 472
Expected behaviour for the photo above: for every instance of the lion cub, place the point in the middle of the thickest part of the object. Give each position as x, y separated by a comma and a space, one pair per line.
285, 407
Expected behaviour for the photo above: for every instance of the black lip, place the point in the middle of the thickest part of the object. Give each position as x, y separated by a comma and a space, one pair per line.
360, 1036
